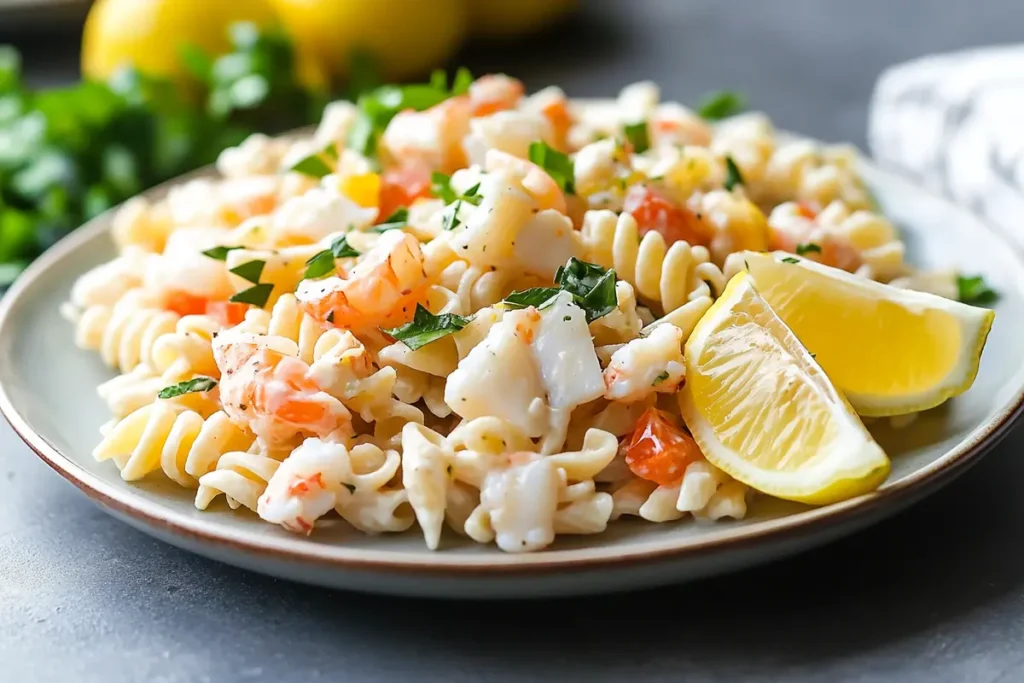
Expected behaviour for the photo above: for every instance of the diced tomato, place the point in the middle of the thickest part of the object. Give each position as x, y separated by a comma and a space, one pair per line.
184, 303
227, 312
654, 211
400, 186
659, 450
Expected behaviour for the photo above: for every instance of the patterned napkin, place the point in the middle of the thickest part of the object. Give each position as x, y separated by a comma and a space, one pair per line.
956, 123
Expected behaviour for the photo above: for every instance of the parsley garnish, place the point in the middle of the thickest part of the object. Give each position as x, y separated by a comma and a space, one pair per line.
559, 166
592, 287
330, 317
441, 187
322, 262
660, 378
809, 248
463, 79
537, 297
790, 259
399, 219
636, 133
472, 195
257, 295
317, 164
973, 290
721, 104
566, 318
451, 220
427, 327
220, 253
250, 270
191, 386
733, 177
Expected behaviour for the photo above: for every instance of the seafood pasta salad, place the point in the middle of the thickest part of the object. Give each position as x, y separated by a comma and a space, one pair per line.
517, 316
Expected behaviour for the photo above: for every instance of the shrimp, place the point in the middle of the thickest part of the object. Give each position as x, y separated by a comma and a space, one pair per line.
264, 386
305, 487
493, 93
674, 124
382, 290
793, 225
433, 136
537, 183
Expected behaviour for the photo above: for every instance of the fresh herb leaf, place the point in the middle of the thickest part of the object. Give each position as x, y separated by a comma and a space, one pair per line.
427, 327
721, 104
733, 177
257, 295
637, 135
330, 317
451, 219
250, 270
973, 290
340, 248
317, 164
319, 265
397, 220
463, 79
592, 287
441, 187
191, 386
538, 297
220, 253
566, 318
472, 195
809, 248
559, 166
660, 378
790, 259
439, 79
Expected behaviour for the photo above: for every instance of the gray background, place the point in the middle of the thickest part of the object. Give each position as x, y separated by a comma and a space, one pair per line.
936, 594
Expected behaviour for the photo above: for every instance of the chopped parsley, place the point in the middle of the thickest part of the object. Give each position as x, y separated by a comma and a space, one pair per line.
220, 253
733, 177
538, 297
566, 318
322, 263
451, 219
396, 221
317, 164
191, 386
637, 135
257, 295
330, 317
660, 378
472, 195
790, 259
427, 327
809, 248
592, 287
250, 270
559, 166
721, 104
973, 290
441, 187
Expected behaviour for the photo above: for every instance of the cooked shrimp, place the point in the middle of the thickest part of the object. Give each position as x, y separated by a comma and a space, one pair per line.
264, 386
793, 225
674, 124
433, 136
537, 183
305, 487
382, 290
494, 92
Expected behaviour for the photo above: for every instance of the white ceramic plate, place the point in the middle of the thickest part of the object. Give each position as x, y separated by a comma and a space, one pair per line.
47, 392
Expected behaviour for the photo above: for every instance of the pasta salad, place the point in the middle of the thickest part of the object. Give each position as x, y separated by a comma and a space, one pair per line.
468, 307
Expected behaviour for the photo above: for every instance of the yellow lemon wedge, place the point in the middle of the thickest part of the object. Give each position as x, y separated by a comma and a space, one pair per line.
763, 410
890, 351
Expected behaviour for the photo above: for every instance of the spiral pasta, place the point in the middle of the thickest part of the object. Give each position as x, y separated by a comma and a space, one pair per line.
240, 477
124, 334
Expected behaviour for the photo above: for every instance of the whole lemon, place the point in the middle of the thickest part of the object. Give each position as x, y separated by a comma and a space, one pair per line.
406, 37
504, 18
149, 33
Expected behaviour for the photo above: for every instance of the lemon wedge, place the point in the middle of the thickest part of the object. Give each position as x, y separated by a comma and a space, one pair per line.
890, 351
763, 410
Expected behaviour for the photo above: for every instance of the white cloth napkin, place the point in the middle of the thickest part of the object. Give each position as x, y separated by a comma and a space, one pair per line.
955, 122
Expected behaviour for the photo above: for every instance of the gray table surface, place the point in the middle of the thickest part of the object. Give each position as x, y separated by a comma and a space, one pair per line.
936, 594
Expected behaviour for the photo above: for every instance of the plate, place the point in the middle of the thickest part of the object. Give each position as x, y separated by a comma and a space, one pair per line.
47, 394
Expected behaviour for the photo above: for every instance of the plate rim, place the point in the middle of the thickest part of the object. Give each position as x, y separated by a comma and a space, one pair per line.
153, 514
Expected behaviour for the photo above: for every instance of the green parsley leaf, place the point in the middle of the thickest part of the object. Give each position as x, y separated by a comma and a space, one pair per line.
559, 166
637, 135
441, 187
330, 317
809, 248
191, 386
790, 259
322, 263
451, 219
220, 253
660, 378
463, 79
399, 219
250, 270
257, 295
439, 79
592, 287
538, 297
318, 164
721, 104
973, 290
472, 195
427, 327
733, 177
340, 248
